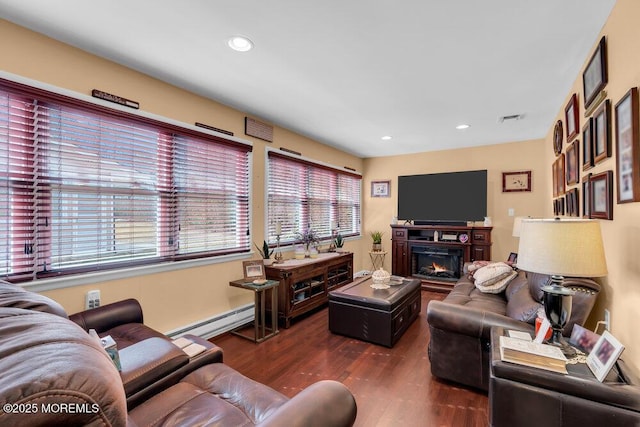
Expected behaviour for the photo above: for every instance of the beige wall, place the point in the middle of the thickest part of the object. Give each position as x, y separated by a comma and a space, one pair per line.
172, 299
496, 159
621, 236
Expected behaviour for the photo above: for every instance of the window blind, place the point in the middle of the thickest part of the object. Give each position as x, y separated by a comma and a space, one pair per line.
303, 194
84, 190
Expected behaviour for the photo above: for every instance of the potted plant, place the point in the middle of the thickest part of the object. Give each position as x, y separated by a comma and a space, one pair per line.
307, 238
376, 236
338, 241
265, 253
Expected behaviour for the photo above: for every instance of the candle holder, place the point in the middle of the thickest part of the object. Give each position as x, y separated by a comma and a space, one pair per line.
278, 255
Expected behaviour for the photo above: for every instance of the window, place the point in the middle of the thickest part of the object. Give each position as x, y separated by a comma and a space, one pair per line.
84, 188
302, 194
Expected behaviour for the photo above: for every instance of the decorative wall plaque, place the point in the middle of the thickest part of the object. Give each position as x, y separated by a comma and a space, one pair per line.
258, 129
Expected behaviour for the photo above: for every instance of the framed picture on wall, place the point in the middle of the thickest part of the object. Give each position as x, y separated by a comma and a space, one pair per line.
571, 118
594, 77
586, 199
516, 181
627, 147
587, 143
560, 178
601, 132
573, 176
601, 195
380, 189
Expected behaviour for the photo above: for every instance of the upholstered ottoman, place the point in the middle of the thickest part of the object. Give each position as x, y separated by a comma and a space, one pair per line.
379, 316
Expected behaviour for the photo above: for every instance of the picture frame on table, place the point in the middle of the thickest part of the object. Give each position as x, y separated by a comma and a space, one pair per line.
253, 270
627, 147
587, 144
601, 195
516, 181
601, 132
573, 159
594, 77
381, 188
604, 355
572, 118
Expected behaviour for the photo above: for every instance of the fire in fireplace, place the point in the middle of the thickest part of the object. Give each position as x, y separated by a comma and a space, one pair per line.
436, 263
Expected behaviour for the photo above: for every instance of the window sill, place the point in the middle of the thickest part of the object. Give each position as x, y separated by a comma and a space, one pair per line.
42, 285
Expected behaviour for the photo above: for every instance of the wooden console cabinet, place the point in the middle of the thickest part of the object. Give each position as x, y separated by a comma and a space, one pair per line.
305, 284
474, 241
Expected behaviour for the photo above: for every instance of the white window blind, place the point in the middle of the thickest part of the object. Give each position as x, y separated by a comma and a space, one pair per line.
83, 189
303, 194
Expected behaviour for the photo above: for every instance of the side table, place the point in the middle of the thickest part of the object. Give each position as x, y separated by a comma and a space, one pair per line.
523, 396
377, 259
259, 322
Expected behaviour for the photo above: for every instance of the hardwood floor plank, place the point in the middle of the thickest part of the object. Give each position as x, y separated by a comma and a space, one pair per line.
392, 386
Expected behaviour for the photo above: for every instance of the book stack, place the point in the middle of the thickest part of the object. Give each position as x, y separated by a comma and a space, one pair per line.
532, 354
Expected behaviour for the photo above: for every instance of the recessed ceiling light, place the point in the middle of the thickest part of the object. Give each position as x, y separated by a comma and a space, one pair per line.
386, 138
461, 127
240, 43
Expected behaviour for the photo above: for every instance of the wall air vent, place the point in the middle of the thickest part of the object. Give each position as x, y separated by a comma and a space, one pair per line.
510, 118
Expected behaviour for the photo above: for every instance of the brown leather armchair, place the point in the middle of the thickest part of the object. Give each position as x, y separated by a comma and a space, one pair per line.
150, 362
54, 373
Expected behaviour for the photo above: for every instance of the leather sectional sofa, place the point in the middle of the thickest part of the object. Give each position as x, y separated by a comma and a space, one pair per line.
55, 373
460, 325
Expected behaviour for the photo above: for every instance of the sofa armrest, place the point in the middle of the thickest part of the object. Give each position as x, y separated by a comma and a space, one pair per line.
469, 321
148, 361
325, 403
109, 316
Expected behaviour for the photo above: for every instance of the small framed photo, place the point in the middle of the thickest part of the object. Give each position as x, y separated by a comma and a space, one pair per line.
573, 206
587, 143
601, 133
516, 181
583, 338
594, 77
253, 270
513, 258
573, 177
601, 195
604, 355
380, 188
627, 148
571, 118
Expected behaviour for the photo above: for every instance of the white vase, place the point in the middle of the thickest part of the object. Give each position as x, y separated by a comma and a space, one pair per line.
487, 221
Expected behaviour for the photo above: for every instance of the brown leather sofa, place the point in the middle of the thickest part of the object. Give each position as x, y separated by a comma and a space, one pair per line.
460, 325
54, 373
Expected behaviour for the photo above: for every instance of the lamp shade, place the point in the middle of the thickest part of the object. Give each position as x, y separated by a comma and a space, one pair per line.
563, 247
517, 223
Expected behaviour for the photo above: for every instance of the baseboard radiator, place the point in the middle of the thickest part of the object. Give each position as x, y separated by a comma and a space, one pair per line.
217, 325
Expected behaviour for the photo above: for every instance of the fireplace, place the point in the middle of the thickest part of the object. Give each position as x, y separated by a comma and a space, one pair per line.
437, 263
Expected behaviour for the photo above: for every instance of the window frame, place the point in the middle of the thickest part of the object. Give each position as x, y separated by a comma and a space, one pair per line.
26, 88
270, 221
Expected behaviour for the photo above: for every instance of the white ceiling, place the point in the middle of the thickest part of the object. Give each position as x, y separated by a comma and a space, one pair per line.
346, 73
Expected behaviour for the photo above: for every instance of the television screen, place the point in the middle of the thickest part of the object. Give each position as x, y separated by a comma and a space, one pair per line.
443, 197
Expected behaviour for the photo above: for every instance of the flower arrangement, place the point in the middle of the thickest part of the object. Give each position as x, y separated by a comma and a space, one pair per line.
308, 237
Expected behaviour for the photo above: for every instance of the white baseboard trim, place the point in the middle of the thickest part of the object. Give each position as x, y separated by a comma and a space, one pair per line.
217, 325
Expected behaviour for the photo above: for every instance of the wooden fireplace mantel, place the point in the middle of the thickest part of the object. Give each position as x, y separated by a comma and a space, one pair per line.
473, 240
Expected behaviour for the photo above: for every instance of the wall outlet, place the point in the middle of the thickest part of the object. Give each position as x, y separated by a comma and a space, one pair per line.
92, 300
511, 212
607, 320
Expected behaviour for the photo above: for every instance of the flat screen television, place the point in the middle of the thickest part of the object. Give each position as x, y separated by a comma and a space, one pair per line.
453, 197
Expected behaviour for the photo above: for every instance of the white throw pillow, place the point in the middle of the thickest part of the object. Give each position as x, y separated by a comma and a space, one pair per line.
490, 274
499, 286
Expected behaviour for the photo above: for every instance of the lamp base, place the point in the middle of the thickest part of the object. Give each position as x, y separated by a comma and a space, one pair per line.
557, 340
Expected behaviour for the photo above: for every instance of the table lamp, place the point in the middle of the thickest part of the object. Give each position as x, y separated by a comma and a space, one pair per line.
561, 247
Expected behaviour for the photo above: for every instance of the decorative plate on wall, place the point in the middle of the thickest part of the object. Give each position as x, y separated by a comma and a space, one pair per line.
557, 138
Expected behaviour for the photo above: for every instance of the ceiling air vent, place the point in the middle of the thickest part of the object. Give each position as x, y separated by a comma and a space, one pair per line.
510, 118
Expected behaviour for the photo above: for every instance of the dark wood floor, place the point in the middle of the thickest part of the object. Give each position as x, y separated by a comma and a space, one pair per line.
392, 387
